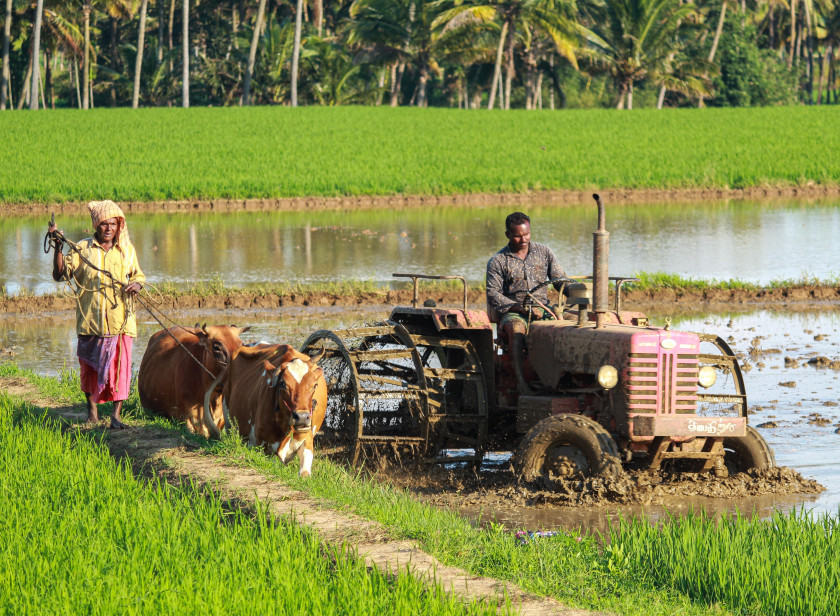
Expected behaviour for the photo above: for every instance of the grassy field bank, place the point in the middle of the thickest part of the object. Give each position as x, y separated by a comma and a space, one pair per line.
693, 566
82, 535
270, 152
652, 289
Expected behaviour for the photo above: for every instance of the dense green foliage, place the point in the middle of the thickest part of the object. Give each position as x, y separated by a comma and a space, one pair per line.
274, 152
418, 52
82, 535
749, 75
690, 565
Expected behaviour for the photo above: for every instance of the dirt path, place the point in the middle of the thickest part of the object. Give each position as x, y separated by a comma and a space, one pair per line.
156, 451
791, 298
362, 202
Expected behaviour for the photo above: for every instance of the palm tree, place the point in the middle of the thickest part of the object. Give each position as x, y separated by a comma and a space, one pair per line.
398, 33
252, 54
555, 18
185, 54
634, 39
7, 32
36, 54
296, 52
138, 62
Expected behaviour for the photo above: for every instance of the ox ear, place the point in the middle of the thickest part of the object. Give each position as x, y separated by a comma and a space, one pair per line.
319, 356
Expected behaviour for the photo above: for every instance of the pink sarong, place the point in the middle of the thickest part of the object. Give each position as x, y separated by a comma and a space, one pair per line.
118, 382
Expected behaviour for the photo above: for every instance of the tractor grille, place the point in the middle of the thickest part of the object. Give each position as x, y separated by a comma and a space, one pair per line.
663, 384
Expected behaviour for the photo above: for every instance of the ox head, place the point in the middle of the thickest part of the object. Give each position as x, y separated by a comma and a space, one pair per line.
295, 382
219, 342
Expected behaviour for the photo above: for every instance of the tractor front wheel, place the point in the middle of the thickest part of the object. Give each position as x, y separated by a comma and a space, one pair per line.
742, 453
565, 447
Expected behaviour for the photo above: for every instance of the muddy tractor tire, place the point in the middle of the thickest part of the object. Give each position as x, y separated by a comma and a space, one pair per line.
742, 453
565, 447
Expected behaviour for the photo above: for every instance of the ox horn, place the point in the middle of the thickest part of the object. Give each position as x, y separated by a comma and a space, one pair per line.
316, 358
204, 329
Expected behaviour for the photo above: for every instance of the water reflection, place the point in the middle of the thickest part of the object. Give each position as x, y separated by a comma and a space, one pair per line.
747, 241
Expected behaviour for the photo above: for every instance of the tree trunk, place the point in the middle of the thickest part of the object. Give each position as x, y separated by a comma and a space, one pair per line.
792, 31
5, 88
539, 90
76, 79
826, 61
421, 87
296, 51
497, 69
115, 63
381, 87
630, 97
393, 100
86, 63
509, 72
161, 20
530, 80
48, 79
27, 82
170, 27
718, 30
36, 55
809, 45
252, 55
319, 16
715, 41
138, 62
185, 52
660, 102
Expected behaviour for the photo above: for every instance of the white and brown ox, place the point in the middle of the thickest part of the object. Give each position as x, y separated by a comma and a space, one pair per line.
278, 397
173, 384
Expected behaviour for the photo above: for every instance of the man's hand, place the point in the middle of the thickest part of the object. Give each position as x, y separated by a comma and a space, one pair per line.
519, 309
133, 289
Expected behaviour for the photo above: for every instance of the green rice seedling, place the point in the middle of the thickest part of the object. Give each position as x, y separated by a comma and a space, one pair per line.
784, 566
268, 152
81, 535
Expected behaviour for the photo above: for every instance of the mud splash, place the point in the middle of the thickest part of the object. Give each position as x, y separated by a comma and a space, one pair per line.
488, 489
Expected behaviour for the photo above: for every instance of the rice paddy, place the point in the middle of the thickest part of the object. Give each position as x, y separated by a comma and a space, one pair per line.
692, 565
81, 535
163, 154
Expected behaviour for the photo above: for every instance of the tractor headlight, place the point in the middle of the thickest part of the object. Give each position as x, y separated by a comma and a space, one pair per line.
707, 376
607, 377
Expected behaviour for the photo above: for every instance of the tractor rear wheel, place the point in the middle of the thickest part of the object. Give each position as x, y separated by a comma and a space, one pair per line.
742, 453
565, 447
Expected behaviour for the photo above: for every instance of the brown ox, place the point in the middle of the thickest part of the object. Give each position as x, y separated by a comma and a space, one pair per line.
278, 397
173, 384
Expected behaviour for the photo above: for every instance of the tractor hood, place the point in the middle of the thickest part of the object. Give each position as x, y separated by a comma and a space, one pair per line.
557, 347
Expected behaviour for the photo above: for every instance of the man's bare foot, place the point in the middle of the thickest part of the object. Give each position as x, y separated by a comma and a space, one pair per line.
92, 418
116, 424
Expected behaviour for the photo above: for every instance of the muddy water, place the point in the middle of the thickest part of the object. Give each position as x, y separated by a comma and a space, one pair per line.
793, 403
749, 241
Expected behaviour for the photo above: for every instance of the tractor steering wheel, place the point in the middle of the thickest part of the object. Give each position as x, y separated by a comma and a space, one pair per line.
565, 280
531, 301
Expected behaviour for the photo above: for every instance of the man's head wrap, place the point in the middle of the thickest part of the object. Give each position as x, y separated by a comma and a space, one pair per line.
103, 210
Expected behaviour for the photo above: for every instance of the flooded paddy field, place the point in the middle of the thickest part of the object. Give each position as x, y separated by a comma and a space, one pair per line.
748, 241
792, 387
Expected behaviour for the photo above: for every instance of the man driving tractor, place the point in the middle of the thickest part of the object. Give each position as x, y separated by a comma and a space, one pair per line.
511, 273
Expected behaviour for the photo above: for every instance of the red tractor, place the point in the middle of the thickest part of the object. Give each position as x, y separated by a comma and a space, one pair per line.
610, 389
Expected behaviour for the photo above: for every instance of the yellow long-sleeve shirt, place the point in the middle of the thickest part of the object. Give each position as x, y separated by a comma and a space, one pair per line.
101, 309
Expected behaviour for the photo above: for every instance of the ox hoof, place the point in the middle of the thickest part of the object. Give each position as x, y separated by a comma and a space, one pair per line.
304, 474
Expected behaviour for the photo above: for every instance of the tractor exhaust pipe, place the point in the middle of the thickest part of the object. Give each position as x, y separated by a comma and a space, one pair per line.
600, 265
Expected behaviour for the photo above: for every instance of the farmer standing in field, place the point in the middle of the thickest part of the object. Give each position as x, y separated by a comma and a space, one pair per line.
511, 273
107, 276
